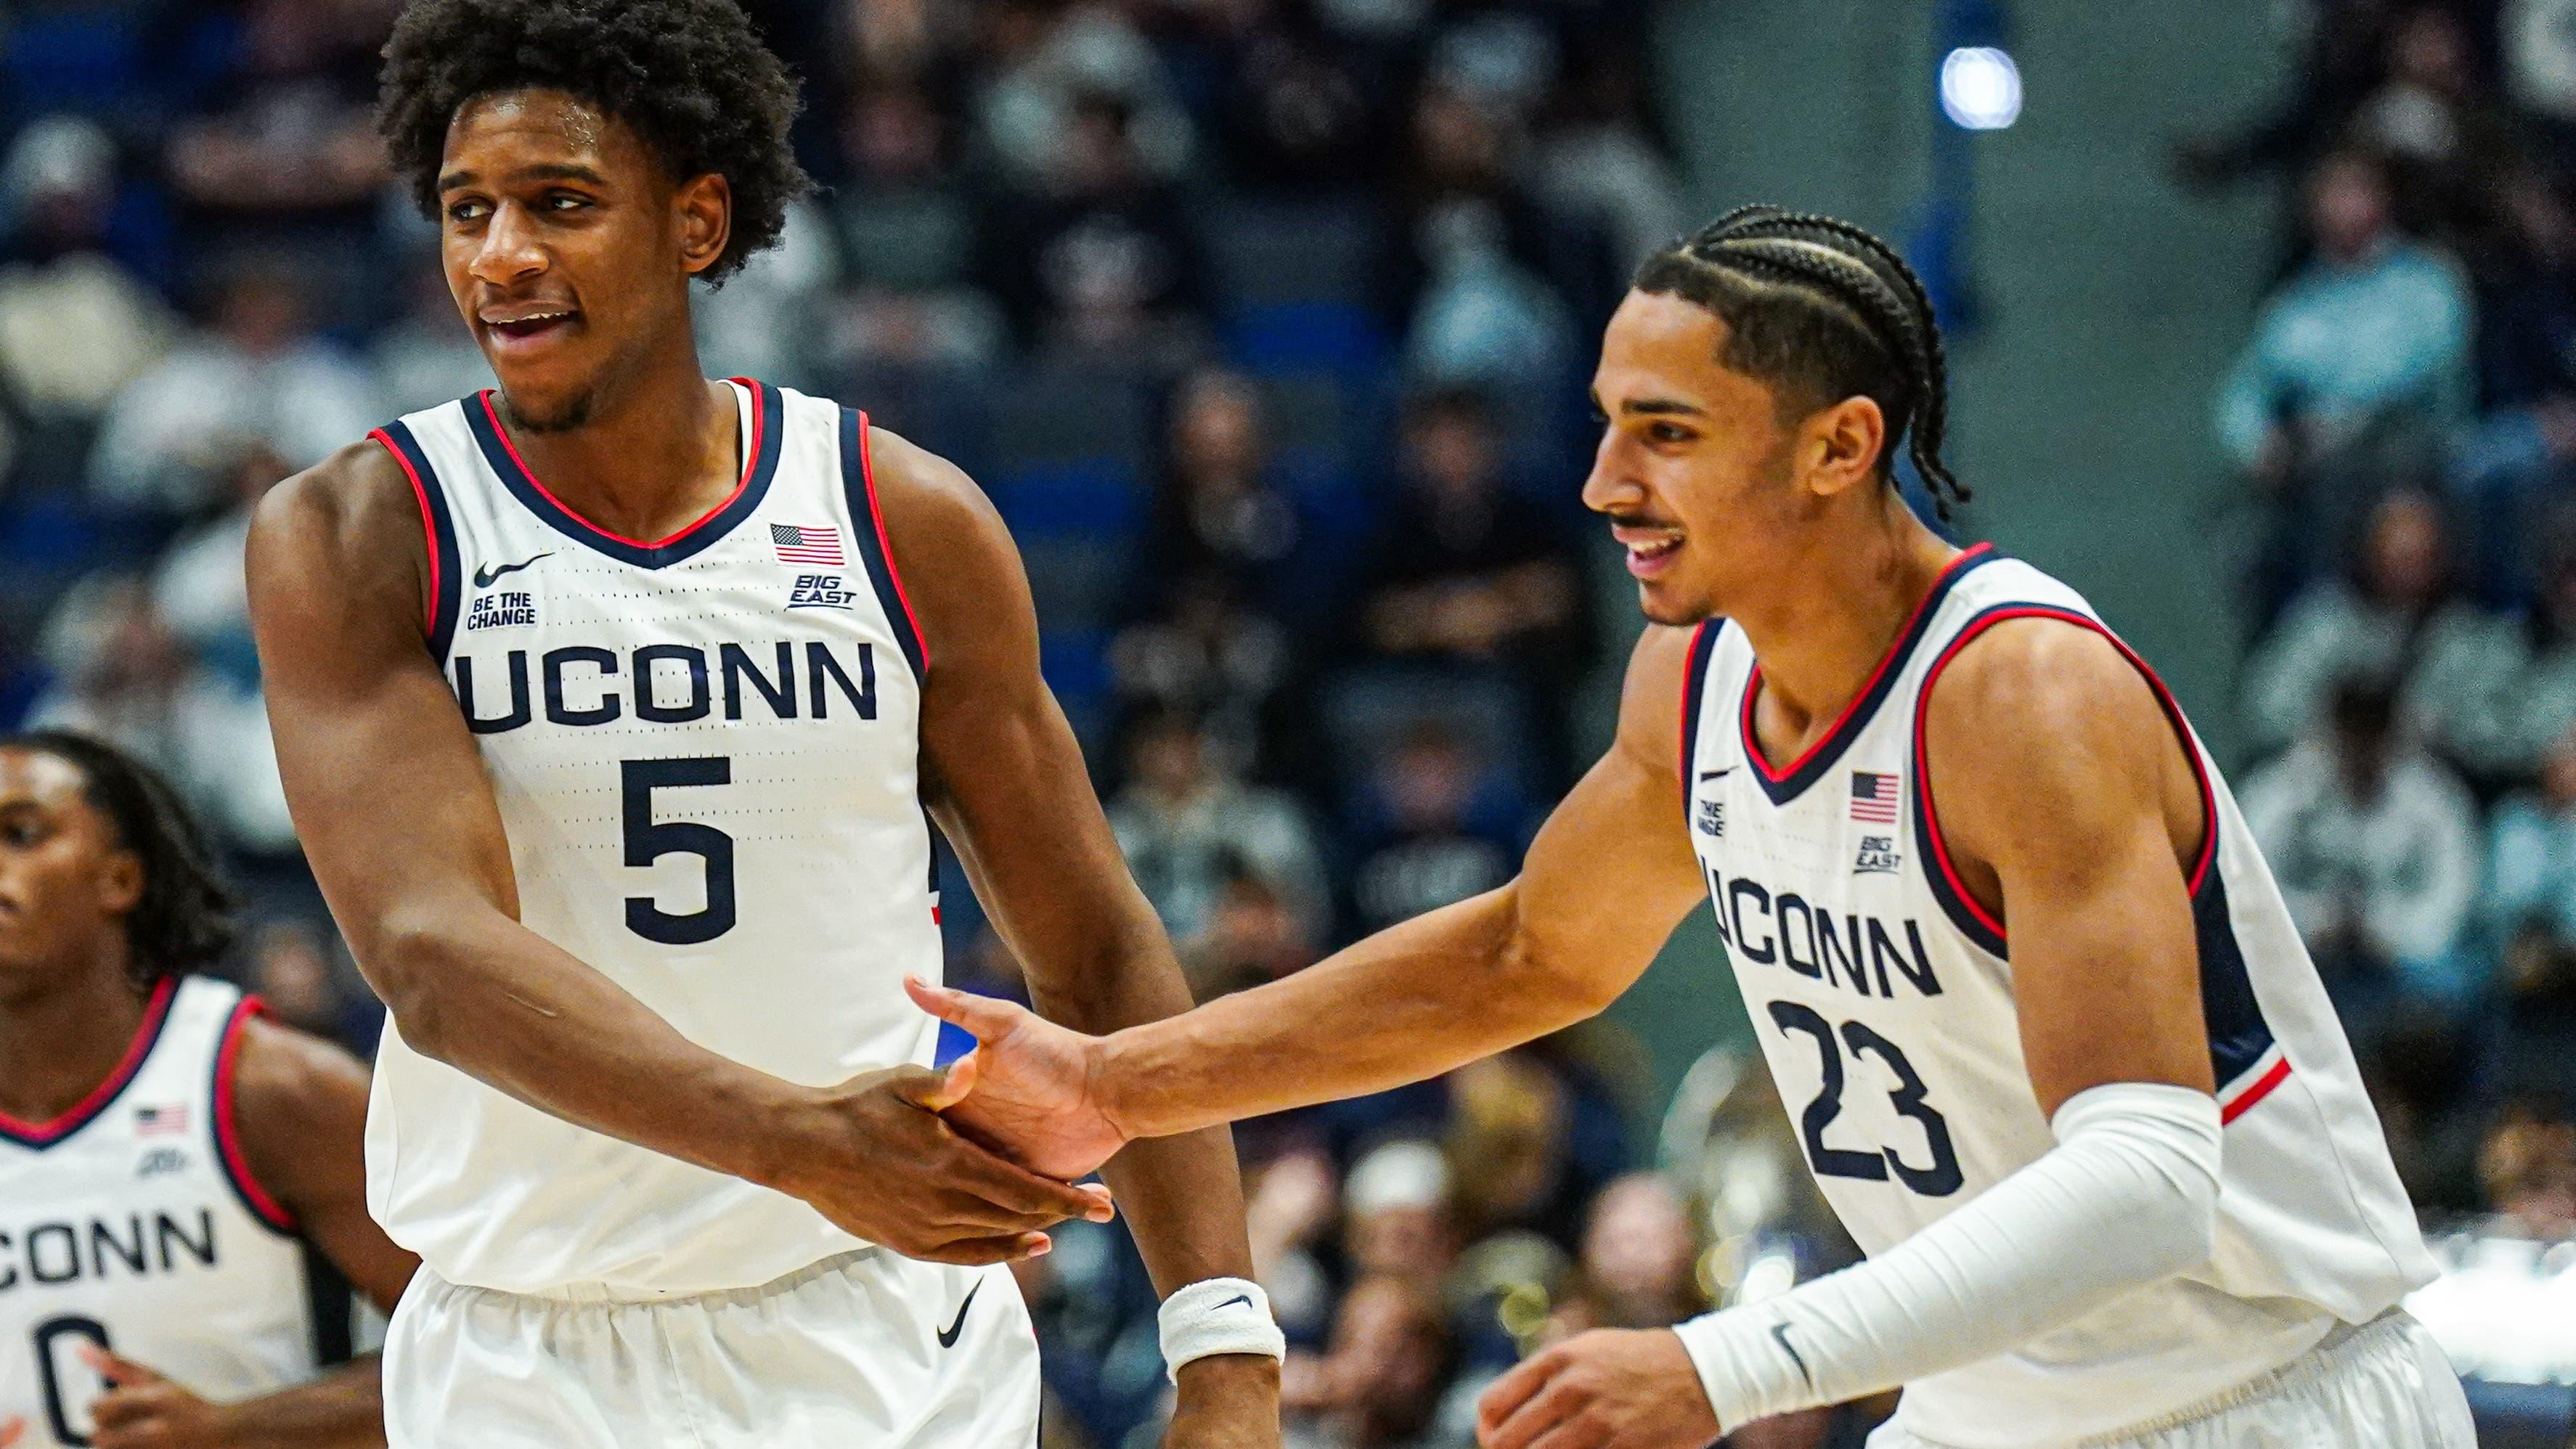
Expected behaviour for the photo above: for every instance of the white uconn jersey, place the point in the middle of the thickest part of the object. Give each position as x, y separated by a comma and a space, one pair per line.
1883, 996
131, 1222
705, 751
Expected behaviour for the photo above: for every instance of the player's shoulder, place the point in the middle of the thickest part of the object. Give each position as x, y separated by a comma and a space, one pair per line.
911, 481
2045, 670
1653, 697
357, 497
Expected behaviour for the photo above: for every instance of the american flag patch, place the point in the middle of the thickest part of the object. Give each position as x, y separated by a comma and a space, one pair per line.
1873, 798
806, 545
160, 1121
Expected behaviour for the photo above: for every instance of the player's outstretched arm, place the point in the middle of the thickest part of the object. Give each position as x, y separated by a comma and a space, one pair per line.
1609, 876
2066, 802
389, 796
1004, 778
300, 1106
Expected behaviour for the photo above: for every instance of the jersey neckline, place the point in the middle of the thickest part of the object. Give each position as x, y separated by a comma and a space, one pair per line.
1788, 782
760, 464
41, 1135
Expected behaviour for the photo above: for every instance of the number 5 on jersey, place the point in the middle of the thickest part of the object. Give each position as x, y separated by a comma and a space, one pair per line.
648, 841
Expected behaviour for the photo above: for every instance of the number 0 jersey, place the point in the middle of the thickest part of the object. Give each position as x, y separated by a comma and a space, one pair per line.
130, 1222
1883, 997
705, 752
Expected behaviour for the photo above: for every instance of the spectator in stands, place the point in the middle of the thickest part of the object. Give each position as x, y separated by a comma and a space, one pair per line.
2396, 613
2439, 123
1485, 266
1221, 506
2358, 365
1254, 935
2522, 452
1400, 1215
1290, 1206
1299, 114
2530, 906
1381, 1384
2375, 848
60, 278
1468, 574
1429, 827
199, 589
1639, 1258
1186, 825
259, 374
2527, 1166
2506, 739
1101, 261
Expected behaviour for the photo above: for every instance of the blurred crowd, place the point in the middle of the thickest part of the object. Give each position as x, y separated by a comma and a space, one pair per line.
2402, 420
1264, 322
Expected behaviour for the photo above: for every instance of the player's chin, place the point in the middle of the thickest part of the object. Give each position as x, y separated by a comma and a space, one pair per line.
1662, 603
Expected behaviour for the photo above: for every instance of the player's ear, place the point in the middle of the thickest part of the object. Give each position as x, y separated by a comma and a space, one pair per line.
1839, 445
120, 883
704, 208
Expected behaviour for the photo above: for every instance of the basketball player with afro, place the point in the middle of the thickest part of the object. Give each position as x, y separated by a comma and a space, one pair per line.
170, 1159
614, 706
2057, 1054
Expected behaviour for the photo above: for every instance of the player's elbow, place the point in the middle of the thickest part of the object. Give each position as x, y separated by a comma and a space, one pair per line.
2152, 1152
405, 958
1545, 977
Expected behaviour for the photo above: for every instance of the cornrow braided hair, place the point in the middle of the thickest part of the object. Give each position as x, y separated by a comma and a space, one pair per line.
1823, 310
183, 921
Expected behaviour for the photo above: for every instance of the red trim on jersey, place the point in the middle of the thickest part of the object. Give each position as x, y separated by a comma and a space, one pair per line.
2263, 1085
228, 1128
428, 528
1895, 646
885, 545
750, 461
2208, 853
45, 1134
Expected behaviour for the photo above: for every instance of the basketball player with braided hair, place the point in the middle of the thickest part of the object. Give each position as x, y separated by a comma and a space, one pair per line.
2056, 1054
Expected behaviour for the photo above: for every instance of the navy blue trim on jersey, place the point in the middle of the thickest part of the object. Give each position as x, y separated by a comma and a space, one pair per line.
38, 1136
220, 1123
2238, 1034
769, 426
1703, 648
447, 576
1953, 905
1784, 786
859, 488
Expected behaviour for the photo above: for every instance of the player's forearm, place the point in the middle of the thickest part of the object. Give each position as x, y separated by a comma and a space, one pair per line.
1410, 1002
2127, 1198
344, 1409
505, 1006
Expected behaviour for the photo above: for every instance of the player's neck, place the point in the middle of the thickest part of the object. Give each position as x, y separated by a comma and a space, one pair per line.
60, 1040
1825, 632
658, 451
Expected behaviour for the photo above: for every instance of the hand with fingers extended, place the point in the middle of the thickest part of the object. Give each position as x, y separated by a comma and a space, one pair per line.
1034, 1101
874, 1156
1607, 1389
143, 1410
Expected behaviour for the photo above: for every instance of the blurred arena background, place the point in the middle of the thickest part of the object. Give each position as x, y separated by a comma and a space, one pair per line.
1266, 323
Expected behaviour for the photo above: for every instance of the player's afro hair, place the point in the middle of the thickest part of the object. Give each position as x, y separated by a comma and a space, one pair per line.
691, 76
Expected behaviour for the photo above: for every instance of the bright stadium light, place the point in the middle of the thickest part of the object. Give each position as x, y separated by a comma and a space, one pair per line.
1980, 88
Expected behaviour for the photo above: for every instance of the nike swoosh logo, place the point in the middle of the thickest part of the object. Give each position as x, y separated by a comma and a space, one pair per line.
487, 575
1780, 1332
948, 1335
1243, 1298
1713, 774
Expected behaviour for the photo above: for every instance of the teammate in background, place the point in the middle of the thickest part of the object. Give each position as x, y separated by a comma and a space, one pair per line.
613, 708
2116, 1173
167, 1155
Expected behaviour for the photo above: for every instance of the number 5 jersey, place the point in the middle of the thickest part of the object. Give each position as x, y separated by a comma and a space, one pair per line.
1883, 997
705, 749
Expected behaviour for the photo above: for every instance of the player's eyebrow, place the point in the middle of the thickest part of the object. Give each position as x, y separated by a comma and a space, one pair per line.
539, 171
1662, 407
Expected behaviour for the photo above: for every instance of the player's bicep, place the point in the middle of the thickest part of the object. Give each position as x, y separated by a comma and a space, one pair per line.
381, 774
2050, 758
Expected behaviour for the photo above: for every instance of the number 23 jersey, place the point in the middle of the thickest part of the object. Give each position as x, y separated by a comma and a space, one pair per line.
705, 750
1882, 994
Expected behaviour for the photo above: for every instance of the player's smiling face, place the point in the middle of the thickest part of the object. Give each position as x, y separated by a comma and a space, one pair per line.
64, 881
568, 247
1694, 465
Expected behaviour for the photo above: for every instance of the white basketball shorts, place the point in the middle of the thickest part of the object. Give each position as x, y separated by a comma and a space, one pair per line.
2383, 1385
864, 1349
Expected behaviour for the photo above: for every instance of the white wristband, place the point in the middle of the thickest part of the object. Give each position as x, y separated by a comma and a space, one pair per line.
1218, 1315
